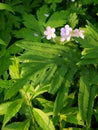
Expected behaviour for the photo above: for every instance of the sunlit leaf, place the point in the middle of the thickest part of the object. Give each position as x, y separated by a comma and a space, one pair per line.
6, 7
57, 19
43, 120
87, 93
12, 110
17, 126
4, 107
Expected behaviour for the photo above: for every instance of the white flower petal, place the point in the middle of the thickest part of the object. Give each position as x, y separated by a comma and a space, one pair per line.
48, 37
53, 30
53, 35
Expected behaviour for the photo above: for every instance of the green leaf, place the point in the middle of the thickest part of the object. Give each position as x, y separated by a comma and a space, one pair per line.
42, 14
6, 83
27, 34
48, 105
48, 63
13, 49
18, 126
57, 19
4, 63
60, 99
90, 45
96, 113
16, 87
55, 1
85, 2
6, 7
73, 20
58, 79
40, 90
31, 23
4, 107
70, 115
14, 69
12, 110
87, 93
71, 128
2, 42
43, 120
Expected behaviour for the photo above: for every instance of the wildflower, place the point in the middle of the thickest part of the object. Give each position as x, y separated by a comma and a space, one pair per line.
78, 33
47, 15
50, 33
66, 33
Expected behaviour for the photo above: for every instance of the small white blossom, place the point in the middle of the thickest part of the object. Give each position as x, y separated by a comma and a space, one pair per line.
47, 15
78, 33
66, 33
50, 33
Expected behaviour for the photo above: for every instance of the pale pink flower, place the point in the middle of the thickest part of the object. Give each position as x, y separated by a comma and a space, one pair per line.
78, 33
66, 33
50, 33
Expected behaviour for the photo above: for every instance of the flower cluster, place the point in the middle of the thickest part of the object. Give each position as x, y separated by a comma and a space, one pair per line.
66, 33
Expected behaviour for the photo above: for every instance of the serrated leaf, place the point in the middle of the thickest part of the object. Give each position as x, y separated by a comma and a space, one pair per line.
6, 7
14, 69
48, 63
4, 63
16, 87
18, 126
13, 49
58, 79
12, 110
27, 34
90, 45
42, 119
87, 93
46, 74
60, 99
73, 20
6, 84
57, 19
42, 14
31, 23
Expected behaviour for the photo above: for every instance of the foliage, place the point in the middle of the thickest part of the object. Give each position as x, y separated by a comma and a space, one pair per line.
48, 84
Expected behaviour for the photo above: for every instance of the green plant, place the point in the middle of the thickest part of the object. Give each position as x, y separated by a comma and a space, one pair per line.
48, 83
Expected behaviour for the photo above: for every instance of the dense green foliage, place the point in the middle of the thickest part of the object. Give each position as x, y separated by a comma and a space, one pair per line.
48, 84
